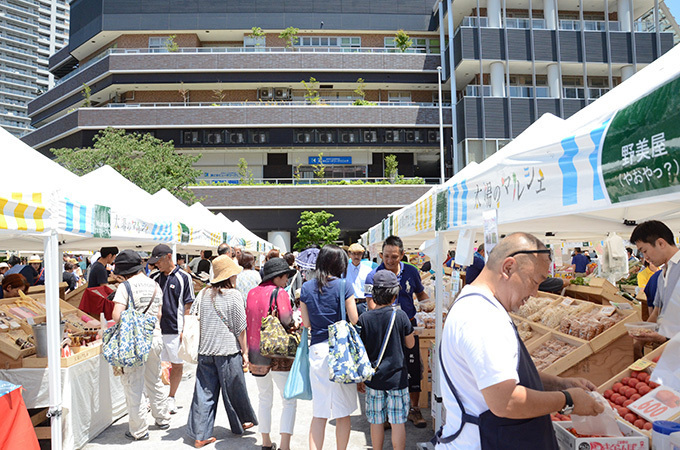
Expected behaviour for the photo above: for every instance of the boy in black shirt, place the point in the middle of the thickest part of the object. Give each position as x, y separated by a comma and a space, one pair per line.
387, 397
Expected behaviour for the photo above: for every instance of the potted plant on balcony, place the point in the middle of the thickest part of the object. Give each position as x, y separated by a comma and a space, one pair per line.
360, 91
171, 45
402, 41
290, 36
256, 38
312, 94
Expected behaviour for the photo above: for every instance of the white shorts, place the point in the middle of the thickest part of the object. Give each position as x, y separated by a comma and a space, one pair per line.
170, 349
330, 400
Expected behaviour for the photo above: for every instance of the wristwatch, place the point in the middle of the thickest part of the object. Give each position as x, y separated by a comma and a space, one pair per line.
568, 404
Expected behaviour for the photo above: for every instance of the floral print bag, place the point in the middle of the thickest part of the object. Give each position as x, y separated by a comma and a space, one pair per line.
348, 361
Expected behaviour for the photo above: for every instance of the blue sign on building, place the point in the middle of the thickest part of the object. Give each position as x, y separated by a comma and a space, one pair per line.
331, 160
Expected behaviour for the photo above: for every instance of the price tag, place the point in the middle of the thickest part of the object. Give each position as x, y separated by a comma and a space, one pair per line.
607, 310
567, 301
640, 365
660, 404
622, 306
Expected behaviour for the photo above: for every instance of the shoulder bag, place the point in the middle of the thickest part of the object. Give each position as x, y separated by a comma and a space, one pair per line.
127, 343
347, 358
188, 348
275, 341
299, 384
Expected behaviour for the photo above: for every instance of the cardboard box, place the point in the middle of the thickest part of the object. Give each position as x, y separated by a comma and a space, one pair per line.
632, 439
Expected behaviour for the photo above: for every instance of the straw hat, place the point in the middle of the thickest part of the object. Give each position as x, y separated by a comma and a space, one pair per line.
35, 259
224, 268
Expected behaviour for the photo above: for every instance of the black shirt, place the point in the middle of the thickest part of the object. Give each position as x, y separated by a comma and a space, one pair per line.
392, 373
98, 275
71, 279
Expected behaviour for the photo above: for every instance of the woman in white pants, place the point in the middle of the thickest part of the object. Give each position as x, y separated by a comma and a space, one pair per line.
269, 371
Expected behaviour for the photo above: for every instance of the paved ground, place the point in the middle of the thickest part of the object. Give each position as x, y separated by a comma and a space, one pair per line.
175, 438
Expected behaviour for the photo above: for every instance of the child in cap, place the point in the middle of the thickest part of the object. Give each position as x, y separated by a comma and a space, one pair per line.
387, 397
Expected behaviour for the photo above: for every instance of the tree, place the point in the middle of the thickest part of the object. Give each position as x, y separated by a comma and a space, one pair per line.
150, 163
290, 36
361, 92
244, 173
319, 167
171, 45
184, 92
87, 92
314, 229
402, 40
391, 167
312, 87
256, 32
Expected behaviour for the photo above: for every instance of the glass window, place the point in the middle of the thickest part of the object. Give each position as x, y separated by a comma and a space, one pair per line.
191, 137
399, 97
393, 136
369, 136
214, 137
313, 41
259, 137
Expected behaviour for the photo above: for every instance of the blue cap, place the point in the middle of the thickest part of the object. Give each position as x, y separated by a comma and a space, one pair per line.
385, 279
666, 427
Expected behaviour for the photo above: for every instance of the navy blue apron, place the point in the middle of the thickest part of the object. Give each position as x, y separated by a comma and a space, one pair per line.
499, 432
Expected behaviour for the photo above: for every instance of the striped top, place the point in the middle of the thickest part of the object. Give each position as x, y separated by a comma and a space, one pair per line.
218, 336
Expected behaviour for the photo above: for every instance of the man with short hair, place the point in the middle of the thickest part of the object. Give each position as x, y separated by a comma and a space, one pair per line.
411, 284
473, 271
69, 277
99, 276
223, 249
655, 240
579, 262
631, 255
493, 394
356, 275
178, 294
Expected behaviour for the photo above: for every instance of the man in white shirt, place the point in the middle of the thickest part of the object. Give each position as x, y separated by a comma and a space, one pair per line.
655, 240
356, 275
493, 394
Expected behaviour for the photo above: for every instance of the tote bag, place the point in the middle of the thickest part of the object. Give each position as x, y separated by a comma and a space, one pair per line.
127, 343
188, 348
299, 385
275, 341
347, 358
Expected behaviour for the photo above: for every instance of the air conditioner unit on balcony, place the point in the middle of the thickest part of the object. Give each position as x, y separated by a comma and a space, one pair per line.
303, 138
432, 136
347, 137
370, 136
236, 138
282, 94
410, 136
326, 137
390, 136
265, 93
259, 138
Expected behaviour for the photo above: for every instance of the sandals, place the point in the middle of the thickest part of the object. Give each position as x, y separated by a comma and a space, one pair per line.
199, 444
271, 447
247, 425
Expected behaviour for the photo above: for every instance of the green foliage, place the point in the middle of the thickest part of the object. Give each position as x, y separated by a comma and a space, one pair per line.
256, 32
219, 95
290, 36
402, 40
391, 167
320, 168
87, 91
362, 102
245, 174
148, 162
314, 229
312, 87
297, 173
360, 90
171, 45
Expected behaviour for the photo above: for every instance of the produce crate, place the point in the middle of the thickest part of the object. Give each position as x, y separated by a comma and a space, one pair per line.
424, 332
581, 351
73, 298
632, 439
41, 290
537, 330
598, 291
79, 354
654, 353
606, 363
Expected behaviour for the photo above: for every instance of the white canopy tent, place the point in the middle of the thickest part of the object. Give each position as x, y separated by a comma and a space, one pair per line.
613, 165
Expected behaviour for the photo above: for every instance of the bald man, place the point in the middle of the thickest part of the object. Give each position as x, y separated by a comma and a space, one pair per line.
489, 378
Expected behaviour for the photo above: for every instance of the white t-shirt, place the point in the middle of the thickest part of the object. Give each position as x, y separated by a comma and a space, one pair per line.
479, 349
143, 289
669, 320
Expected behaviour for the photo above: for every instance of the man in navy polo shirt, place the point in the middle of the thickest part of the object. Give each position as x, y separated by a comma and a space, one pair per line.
579, 262
178, 294
409, 280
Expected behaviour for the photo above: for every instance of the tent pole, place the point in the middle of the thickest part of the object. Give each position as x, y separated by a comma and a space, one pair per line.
439, 295
174, 252
54, 337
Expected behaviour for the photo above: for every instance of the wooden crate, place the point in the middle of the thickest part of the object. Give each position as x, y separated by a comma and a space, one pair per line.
578, 354
603, 339
41, 290
425, 346
424, 332
656, 352
74, 297
537, 329
79, 354
606, 363
598, 291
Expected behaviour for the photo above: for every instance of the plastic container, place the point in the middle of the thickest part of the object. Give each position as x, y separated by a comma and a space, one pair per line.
661, 431
637, 329
674, 441
40, 336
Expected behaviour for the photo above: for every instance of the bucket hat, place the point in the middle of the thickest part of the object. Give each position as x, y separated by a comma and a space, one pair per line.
276, 267
127, 262
224, 268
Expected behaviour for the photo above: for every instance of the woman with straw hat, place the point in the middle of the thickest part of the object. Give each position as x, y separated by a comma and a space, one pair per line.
222, 356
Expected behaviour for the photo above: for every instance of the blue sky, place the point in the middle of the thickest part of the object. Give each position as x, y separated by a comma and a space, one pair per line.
674, 6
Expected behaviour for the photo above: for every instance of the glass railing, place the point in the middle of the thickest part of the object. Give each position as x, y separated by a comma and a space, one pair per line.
7, 90
18, 50
21, 8
19, 29
16, 71
573, 92
645, 27
525, 23
271, 103
18, 18
474, 90
10, 101
13, 113
14, 81
18, 39
589, 25
17, 60
469, 21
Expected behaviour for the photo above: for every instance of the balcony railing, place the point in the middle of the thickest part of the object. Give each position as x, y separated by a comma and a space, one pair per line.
208, 181
11, 91
589, 25
525, 23
276, 104
474, 90
15, 81
540, 24
18, 18
19, 29
18, 50
21, 8
196, 50
17, 60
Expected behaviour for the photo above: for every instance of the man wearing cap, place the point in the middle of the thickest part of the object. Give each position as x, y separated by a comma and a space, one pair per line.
411, 284
356, 275
178, 294
4, 267
99, 276
147, 298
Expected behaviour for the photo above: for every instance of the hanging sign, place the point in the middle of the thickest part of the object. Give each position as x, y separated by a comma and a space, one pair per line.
101, 222
490, 230
185, 233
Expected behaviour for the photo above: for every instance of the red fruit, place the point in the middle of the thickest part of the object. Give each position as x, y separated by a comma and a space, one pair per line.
630, 417
653, 385
644, 390
608, 393
640, 423
643, 376
620, 400
632, 382
656, 360
627, 402
635, 373
630, 391
640, 384
625, 380
625, 411
648, 426
616, 387
635, 397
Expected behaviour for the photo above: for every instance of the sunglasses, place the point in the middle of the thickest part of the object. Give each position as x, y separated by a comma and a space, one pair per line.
545, 251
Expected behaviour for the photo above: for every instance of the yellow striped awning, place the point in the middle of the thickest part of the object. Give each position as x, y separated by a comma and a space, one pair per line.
22, 211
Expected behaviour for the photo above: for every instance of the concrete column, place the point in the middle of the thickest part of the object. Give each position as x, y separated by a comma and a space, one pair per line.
627, 72
280, 239
493, 11
554, 84
625, 9
497, 79
549, 8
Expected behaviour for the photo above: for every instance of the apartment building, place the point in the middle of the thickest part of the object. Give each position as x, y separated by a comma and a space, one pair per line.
196, 74
30, 31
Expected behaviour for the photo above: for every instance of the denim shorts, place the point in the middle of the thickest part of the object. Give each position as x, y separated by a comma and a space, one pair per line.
383, 406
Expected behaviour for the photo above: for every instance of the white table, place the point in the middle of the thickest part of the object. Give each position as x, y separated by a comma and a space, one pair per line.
92, 397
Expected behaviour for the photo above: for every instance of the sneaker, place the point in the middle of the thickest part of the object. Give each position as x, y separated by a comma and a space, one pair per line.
141, 438
416, 417
163, 426
172, 408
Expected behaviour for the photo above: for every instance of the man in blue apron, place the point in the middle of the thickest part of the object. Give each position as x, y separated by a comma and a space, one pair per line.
493, 394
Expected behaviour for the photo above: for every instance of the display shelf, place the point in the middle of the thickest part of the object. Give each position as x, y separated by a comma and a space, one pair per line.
598, 291
581, 351
79, 354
